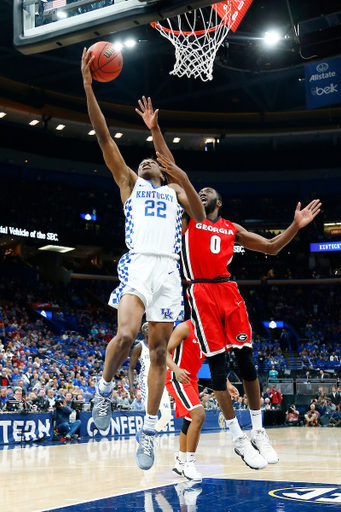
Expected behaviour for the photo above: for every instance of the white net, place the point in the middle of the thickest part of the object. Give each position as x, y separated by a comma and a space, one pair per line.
198, 34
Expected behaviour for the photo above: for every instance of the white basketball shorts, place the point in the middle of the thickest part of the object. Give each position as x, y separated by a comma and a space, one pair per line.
155, 280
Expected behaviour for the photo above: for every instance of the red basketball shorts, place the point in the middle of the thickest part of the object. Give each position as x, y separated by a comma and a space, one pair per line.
219, 316
186, 397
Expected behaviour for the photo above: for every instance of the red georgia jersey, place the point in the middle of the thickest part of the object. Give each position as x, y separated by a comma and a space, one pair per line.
188, 355
207, 248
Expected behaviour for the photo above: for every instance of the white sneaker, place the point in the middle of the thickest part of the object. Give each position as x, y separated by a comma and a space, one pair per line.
191, 473
260, 441
178, 467
251, 457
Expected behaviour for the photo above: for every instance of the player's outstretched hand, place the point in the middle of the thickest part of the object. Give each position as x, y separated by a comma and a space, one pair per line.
85, 67
303, 217
148, 114
182, 376
170, 168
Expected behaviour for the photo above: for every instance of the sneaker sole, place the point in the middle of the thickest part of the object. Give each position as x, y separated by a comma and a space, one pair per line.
144, 469
177, 472
256, 448
242, 457
192, 479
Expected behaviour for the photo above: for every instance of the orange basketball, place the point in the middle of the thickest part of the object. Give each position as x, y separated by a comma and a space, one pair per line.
108, 62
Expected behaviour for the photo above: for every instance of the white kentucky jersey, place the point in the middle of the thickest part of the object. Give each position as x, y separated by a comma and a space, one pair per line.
153, 220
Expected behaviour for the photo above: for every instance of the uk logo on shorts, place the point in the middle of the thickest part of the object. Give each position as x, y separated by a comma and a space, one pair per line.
167, 313
242, 337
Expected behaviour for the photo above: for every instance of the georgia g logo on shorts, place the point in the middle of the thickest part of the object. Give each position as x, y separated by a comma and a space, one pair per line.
242, 337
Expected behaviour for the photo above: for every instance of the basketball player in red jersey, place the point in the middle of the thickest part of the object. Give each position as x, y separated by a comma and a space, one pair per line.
182, 384
218, 311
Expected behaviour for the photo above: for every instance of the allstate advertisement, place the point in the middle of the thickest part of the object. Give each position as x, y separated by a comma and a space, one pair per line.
323, 83
19, 428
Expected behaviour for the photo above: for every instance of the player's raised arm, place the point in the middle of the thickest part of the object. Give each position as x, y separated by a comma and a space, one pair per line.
124, 177
150, 118
180, 333
135, 354
187, 195
260, 244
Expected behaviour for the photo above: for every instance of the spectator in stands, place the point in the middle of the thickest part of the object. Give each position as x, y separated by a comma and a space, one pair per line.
68, 398
334, 396
137, 404
61, 416
41, 401
318, 392
312, 416
238, 404
3, 397
292, 415
4, 378
273, 373
17, 398
267, 404
276, 397
50, 397
335, 419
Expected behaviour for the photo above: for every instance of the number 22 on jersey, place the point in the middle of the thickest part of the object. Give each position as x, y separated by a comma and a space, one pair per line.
151, 206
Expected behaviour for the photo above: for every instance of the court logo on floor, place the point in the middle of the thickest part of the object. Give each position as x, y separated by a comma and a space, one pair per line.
309, 494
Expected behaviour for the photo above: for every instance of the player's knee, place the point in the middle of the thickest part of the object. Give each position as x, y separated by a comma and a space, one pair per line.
246, 364
185, 426
198, 416
125, 339
158, 356
218, 372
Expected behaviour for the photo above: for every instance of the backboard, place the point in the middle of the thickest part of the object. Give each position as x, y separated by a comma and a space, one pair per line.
41, 25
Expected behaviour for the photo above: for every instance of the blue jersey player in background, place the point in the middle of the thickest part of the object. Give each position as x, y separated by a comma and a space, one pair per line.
149, 272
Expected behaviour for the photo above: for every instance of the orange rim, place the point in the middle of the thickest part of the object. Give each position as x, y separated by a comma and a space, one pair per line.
156, 24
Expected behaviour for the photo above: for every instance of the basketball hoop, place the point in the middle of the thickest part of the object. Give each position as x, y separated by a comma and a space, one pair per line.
197, 35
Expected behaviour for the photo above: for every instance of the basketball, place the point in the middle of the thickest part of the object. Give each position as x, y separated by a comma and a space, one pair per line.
108, 62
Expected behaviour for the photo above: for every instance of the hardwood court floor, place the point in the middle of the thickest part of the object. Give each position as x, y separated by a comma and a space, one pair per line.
39, 478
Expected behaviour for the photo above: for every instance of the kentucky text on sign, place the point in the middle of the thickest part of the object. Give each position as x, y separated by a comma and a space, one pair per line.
325, 247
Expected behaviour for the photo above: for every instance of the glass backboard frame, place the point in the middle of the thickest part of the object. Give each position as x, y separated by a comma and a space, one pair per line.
123, 15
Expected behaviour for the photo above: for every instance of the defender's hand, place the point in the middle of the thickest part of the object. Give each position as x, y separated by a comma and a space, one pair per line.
85, 67
182, 376
233, 391
147, 113
305, 216
170, 168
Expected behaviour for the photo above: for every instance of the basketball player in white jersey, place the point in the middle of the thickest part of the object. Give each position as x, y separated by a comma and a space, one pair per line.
149, 272
141, 352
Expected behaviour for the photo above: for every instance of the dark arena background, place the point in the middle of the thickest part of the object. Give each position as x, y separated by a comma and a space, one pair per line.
266, 133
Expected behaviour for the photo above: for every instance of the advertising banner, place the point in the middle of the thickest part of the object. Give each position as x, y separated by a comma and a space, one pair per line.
20, 428
130, 422
323, 84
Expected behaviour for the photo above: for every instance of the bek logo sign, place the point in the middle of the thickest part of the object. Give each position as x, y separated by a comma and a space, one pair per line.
318, 495
322, 83
324, 90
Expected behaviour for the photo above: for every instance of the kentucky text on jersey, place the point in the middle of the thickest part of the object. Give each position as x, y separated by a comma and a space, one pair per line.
153, 194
